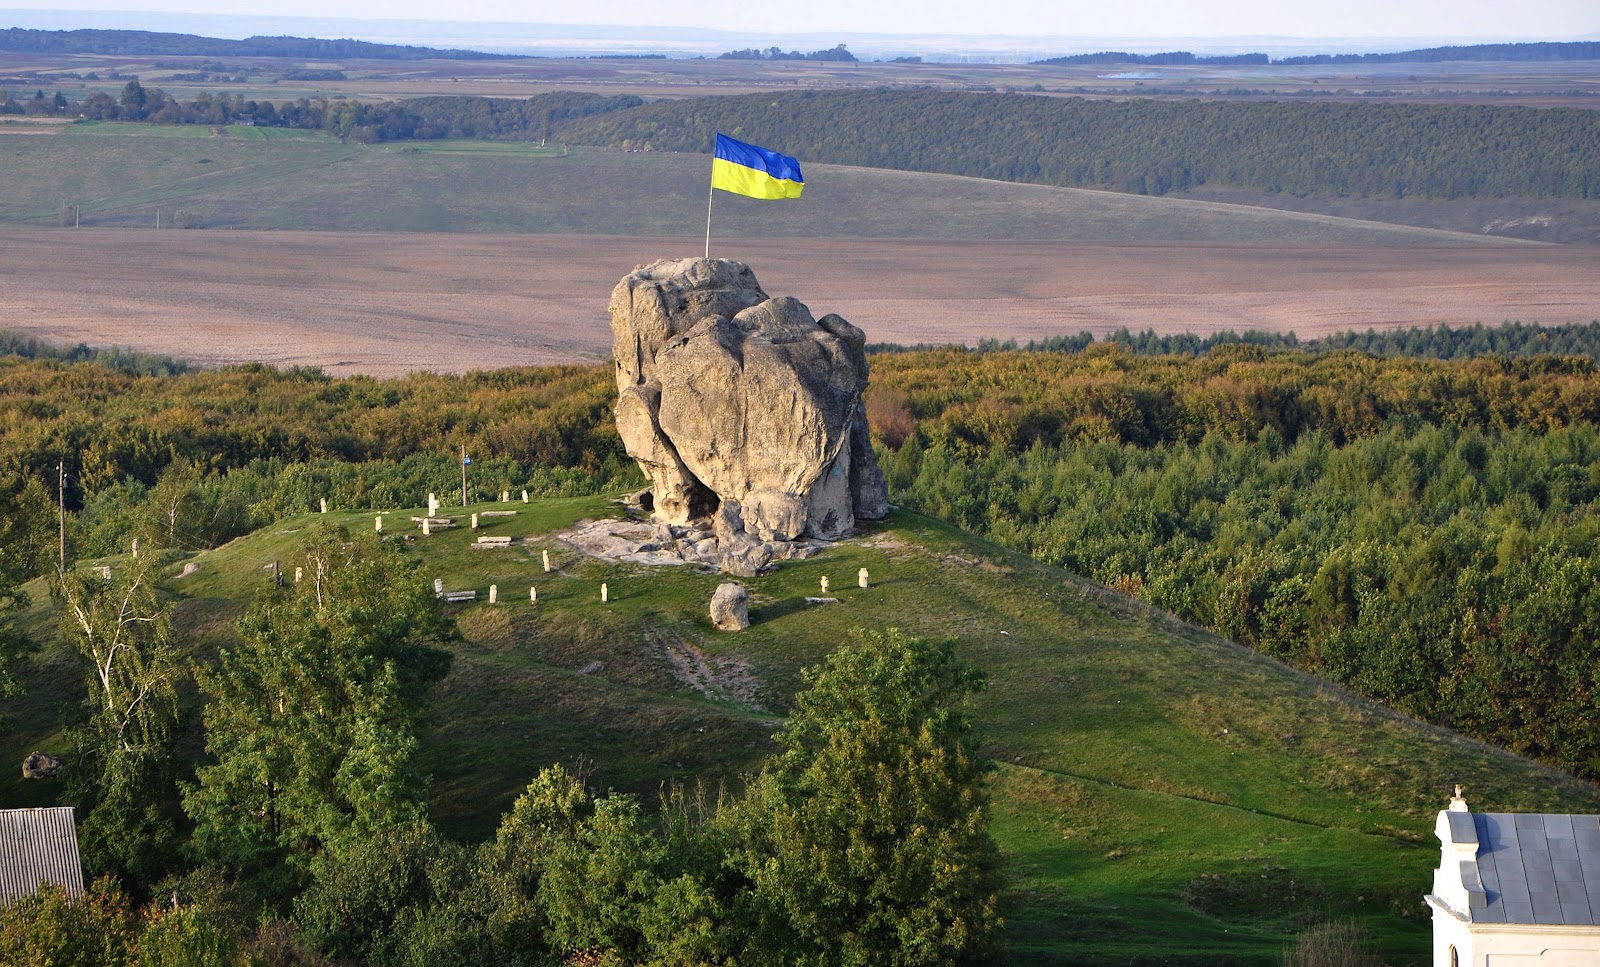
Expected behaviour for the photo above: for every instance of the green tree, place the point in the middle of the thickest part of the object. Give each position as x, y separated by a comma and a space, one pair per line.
310, 721
122, 628
55, 929
867, 840
25, 524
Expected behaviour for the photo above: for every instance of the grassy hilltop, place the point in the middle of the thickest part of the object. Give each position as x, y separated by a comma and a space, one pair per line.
1159, 792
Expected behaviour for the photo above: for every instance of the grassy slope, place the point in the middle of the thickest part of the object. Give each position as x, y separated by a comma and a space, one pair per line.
120, 174
1146, 771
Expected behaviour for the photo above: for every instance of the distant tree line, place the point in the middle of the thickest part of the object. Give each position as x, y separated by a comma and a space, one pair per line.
502, 119
1569, 50
1573, 50
1432, 342
777, 53
1147, 146
137, 42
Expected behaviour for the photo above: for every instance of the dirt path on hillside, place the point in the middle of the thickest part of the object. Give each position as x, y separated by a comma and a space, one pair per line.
387, 303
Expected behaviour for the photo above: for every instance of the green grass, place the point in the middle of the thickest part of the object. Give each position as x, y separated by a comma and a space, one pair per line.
1159, 792
119, 174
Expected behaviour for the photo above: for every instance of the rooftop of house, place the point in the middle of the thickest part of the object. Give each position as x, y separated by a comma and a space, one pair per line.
38, 846
1520, 868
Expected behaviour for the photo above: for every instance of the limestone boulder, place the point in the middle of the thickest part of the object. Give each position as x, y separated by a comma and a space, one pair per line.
730, 607
725, 394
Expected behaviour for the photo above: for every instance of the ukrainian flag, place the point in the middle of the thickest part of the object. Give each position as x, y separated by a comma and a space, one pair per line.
745, 169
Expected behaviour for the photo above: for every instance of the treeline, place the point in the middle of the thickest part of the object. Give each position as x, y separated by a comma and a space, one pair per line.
1147, 146
1420, 530
1573, 50
127, 361
836, 54
1569, 50
143, 42
421, 118
1431, 342
247, 445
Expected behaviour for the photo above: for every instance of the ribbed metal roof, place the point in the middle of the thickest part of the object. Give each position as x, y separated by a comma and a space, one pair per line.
38, 846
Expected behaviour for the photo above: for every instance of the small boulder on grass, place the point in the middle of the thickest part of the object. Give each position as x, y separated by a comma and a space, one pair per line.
730, 607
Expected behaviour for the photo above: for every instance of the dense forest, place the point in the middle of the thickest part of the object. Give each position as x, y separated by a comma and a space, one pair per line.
146, 42
1146, 146
1419, 530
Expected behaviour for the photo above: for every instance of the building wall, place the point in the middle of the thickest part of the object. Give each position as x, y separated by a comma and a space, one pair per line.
1507, 945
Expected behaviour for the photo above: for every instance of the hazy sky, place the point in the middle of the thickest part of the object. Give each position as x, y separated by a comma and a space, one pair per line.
1508, 19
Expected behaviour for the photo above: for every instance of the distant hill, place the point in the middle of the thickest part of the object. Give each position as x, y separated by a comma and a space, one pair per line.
1576, 50
149, 42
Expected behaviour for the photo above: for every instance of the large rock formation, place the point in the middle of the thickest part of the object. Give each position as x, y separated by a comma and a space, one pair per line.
742, 406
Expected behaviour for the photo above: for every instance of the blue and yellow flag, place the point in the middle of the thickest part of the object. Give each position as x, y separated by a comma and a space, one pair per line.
745, 169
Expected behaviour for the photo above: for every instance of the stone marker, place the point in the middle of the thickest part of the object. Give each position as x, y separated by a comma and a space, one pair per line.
604, 594
494, 593
730, 607
438, 587
324, 503
425, 531
136, 547
505, 496
378, 523
433, 504
533, 595
299, 572
474, 521
824, 583
524, 496
546, 555
861, 577
105, 571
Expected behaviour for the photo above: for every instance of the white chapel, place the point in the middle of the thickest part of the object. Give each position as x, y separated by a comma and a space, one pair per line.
1515, 889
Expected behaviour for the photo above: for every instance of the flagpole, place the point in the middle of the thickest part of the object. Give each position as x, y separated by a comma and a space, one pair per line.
710, 193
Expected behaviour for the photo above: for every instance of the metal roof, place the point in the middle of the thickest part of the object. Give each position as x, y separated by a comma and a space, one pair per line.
1535, 868
38, 846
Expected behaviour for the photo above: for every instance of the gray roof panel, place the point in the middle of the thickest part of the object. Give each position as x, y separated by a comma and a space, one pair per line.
1464, 830
1546, 907
1558, 827
38, 846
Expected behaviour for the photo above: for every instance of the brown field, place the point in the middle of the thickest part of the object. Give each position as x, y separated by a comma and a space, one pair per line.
387, 303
